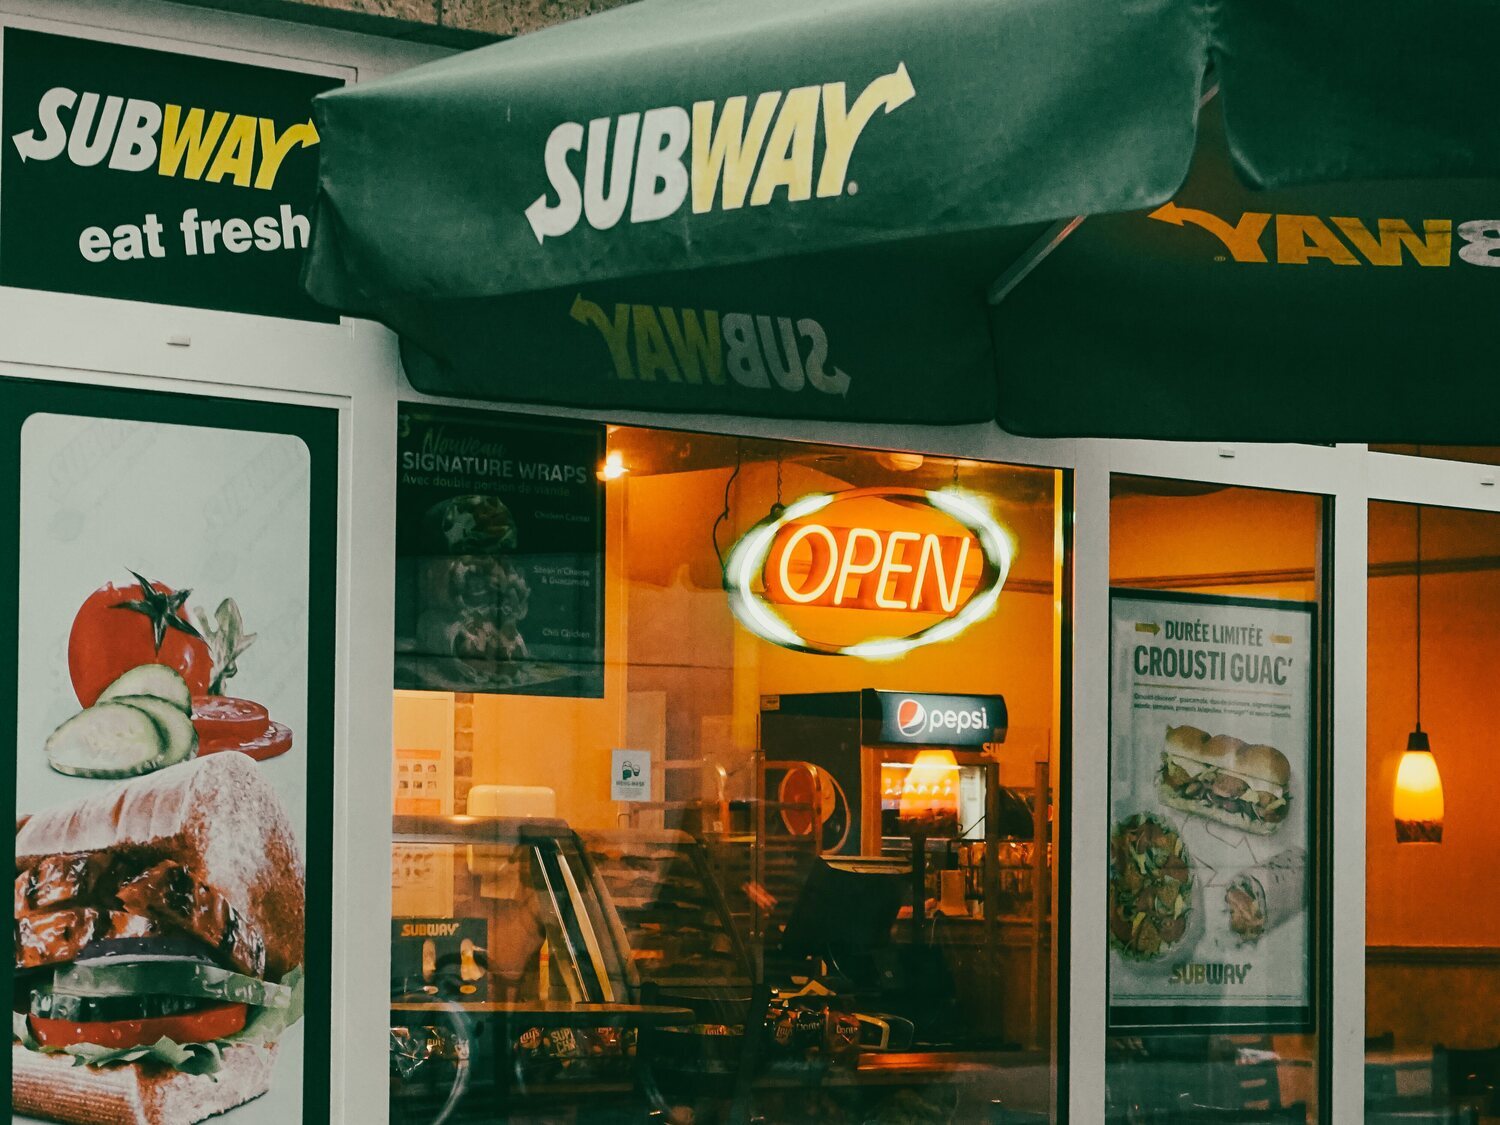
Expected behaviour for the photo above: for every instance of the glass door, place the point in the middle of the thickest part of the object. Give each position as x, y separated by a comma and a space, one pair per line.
1432, 913
1216, 802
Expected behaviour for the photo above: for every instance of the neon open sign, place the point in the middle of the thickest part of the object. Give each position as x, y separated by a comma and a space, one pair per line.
805, 557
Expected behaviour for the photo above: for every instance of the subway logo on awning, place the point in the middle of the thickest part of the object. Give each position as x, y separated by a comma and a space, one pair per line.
1296, 240
648, 164
701, 347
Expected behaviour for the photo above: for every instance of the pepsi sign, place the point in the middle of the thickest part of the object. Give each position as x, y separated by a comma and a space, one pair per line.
923, 719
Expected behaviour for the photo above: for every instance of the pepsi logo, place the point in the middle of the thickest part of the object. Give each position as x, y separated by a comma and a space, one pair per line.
915, 719
911, 717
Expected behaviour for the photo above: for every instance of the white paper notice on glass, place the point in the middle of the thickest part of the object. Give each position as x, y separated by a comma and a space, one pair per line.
630, 775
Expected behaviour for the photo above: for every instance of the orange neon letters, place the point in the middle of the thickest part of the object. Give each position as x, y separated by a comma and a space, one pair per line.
814, 564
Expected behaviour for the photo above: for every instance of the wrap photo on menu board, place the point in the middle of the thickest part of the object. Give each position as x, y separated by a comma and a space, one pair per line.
499, 554
1212, 802
169, 718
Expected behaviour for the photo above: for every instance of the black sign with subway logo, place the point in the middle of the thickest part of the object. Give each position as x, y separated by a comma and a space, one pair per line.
156, 176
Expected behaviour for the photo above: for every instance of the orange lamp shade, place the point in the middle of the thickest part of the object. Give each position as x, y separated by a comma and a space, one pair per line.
929, 800
1418, 803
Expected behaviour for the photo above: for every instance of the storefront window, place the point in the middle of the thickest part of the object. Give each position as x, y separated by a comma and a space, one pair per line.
1432, 968
785, 849
1216, 786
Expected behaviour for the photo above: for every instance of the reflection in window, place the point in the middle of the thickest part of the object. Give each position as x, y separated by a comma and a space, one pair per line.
1432, 961
750, 880
1213, 854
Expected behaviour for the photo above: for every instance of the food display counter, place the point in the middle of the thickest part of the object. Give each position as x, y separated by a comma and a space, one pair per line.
610, 964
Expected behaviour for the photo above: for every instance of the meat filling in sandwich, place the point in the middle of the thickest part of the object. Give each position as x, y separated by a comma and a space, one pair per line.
115, 956
1225, 779
67, 904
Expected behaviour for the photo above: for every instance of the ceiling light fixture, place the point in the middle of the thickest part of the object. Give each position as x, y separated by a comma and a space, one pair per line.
1418, 802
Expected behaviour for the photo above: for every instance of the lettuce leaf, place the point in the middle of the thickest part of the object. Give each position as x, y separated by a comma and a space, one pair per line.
266, 1024
263, 1028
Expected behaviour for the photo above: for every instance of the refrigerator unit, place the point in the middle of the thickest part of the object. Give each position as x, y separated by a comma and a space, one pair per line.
873, 750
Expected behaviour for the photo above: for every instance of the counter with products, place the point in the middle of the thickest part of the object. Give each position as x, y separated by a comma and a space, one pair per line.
610, 964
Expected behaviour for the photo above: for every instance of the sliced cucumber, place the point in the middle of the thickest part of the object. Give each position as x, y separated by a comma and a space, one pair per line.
152, 679
90, 1009
181, 735
108, 740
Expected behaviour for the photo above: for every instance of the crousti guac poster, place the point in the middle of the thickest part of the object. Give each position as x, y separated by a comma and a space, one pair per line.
499, 554
1213, 799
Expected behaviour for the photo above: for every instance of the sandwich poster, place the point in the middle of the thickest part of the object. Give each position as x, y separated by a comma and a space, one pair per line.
499, 554
170, 564
1212, 798
156, 176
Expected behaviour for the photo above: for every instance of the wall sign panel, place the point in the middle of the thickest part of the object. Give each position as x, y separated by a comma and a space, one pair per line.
499, 554
156, 176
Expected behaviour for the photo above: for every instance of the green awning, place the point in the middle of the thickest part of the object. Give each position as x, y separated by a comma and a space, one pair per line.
833, 211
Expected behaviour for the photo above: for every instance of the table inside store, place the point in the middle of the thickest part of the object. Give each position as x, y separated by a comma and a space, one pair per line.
502, 1022
1399, 1073
974, 1077
640, 917
543, 1014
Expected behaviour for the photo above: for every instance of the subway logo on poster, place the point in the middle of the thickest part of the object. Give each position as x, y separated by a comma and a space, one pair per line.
156, 176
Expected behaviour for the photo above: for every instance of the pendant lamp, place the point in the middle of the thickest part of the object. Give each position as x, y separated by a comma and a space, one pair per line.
1418, 803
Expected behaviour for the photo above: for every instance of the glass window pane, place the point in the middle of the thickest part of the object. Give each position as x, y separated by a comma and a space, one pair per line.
794, 861
1215, 768
1432, 970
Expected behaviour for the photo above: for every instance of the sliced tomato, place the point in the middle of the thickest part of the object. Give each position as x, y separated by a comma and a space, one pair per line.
275, 740
201, 1026
219, 718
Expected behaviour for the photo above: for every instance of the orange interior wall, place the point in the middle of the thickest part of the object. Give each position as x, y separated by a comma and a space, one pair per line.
1238, 542
688, 643
1421, 897
1444, 894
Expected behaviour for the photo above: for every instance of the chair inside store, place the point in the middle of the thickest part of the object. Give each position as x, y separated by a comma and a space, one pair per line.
1198, 1077
1468, 1078
1190, 1114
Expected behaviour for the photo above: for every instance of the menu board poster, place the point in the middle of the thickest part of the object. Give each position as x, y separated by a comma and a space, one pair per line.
152, 175
499, 554
1213, 796
170, 561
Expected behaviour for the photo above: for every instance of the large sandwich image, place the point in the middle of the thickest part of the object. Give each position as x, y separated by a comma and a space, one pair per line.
1225, 779
159, 931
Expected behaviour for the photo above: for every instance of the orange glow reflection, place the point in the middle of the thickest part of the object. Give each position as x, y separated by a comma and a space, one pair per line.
929, 796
